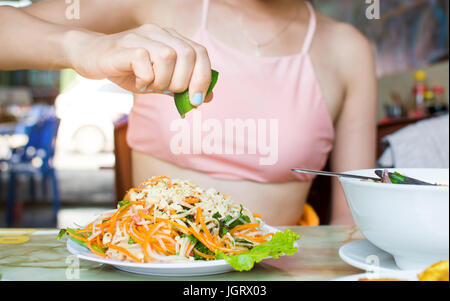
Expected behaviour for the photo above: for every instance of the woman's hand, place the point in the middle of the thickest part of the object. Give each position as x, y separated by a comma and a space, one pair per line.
146, 59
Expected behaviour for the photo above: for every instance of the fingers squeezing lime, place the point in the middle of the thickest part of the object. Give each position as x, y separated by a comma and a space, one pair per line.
182, 100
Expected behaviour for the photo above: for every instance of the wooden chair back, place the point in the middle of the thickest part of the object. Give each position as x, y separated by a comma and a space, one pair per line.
122, 166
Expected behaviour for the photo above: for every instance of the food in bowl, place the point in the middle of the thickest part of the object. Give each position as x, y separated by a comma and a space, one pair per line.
173, 220
397, 178
411, 222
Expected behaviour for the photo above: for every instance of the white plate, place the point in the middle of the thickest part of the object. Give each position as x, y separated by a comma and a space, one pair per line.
399, 275
196, 268
364, 255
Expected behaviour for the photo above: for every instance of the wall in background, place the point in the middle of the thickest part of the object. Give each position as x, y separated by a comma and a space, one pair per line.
409, 33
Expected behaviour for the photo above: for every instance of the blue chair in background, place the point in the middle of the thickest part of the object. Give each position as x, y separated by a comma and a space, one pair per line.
35, 159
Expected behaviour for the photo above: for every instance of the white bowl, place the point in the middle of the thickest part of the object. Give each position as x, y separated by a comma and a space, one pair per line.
411, 222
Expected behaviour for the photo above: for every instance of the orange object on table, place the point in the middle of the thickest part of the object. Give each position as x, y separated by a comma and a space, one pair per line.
309, 217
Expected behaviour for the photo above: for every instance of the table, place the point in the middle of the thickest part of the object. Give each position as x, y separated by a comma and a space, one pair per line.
35, 254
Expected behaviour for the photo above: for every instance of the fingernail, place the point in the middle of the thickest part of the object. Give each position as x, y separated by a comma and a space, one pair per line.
197, 99
166, 92
143, 88
149, 90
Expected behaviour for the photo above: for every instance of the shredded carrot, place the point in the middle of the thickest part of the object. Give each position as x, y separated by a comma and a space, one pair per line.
94, 251
114, 218
156, 246
104, 225
155, 179
167, 238
191, 199
252, 239
202, 222
123, 224
176, 225
124, 251
207, 256
203, 240
145, 215
78, 237
267, 235
197, 218
245, 226
84, 230
99, 242
230, 250
129, 227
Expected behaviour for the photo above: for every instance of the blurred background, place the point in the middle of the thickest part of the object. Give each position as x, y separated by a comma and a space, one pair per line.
57, 130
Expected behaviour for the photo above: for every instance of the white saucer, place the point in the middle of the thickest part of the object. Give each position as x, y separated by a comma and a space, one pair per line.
364, 255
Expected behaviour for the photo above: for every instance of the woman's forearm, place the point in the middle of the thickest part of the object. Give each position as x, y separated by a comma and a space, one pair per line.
105, 16
356, 126
27, 42
144, 59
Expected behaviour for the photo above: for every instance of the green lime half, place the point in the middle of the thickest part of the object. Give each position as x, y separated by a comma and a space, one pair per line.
182, 99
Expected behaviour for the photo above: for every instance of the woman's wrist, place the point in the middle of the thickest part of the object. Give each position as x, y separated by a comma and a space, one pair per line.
74, 43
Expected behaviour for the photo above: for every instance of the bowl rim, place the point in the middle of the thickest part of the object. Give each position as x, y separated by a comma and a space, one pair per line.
390, 186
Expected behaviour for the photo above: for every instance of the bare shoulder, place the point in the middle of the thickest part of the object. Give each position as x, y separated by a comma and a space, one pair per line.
177, 14
345, 44
342, 56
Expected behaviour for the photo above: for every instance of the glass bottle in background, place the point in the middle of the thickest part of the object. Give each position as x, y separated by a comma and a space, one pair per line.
417, 105
430, 101
440, 105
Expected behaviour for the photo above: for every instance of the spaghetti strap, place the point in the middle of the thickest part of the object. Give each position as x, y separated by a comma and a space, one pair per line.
311, 28
205, 7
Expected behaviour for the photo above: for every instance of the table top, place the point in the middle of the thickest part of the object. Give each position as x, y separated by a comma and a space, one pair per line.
35, 254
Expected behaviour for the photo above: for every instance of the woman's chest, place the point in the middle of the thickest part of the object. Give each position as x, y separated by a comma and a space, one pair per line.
262, 115
227, 48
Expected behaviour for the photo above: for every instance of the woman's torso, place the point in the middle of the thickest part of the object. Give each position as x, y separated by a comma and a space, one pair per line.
280, 190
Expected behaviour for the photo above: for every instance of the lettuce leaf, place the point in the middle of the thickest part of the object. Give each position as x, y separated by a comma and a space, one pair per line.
281, 243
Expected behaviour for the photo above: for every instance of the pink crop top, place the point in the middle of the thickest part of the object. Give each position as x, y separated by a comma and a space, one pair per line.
267, 116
